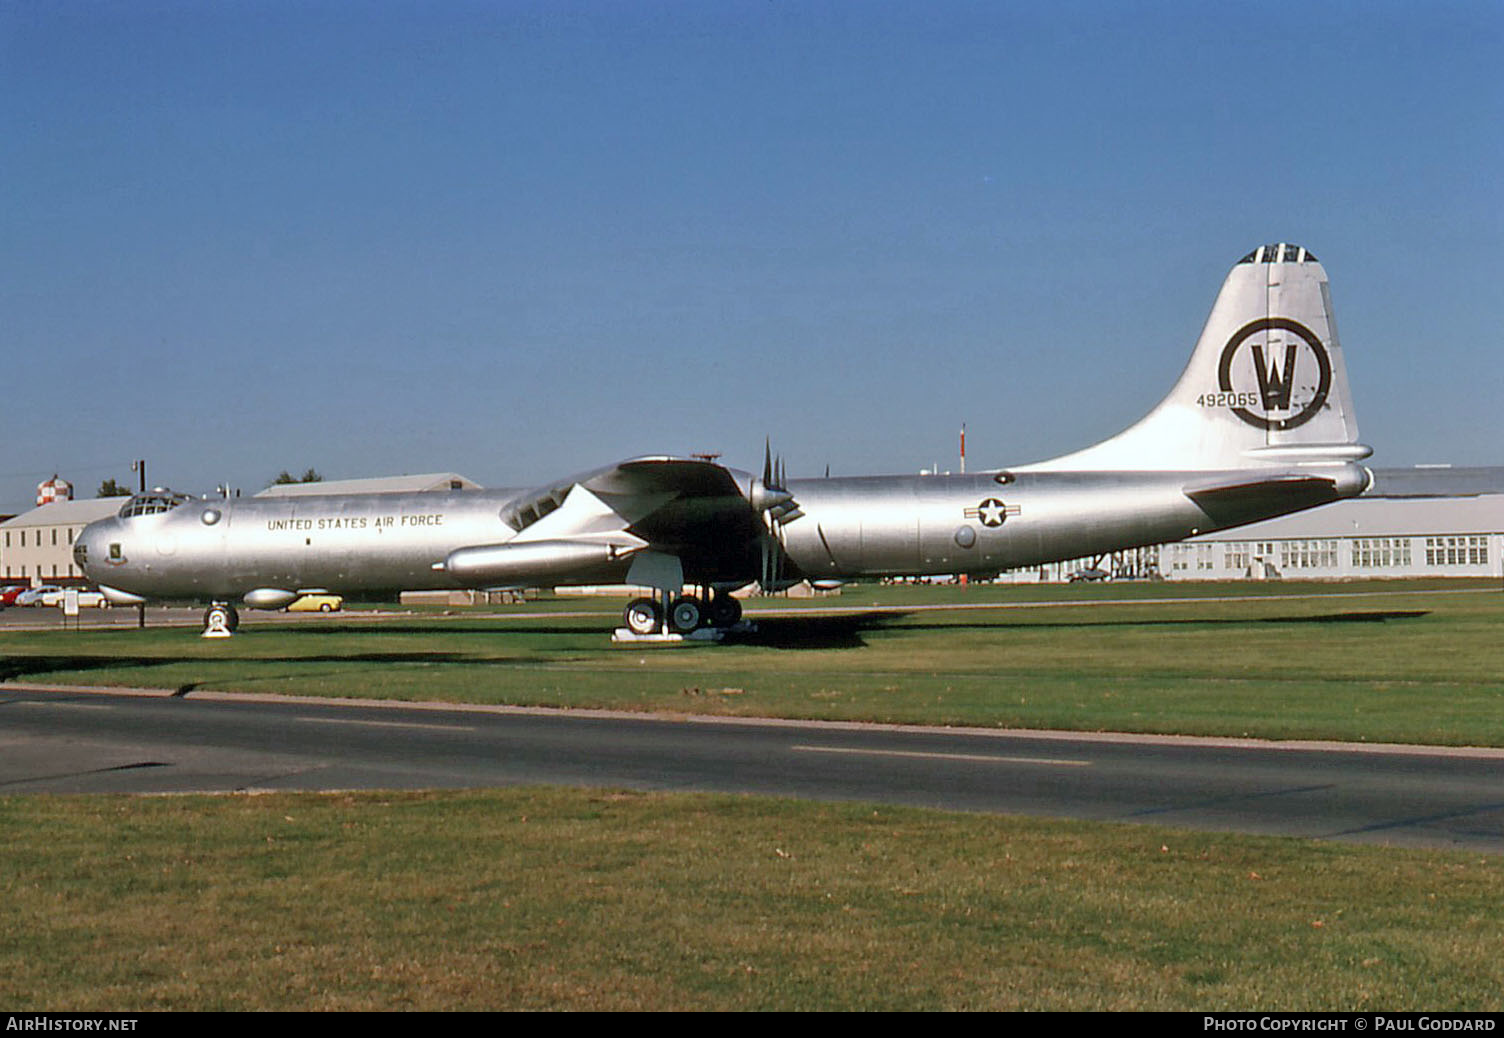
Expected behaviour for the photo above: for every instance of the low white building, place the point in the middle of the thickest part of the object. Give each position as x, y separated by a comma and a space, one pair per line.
1364, 537
37, 546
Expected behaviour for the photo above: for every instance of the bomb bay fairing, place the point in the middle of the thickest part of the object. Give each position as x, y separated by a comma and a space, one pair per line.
1260, 424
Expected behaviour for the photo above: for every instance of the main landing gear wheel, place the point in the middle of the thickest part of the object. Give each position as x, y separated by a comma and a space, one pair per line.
642, 616
222, 617
725, 611
685, 614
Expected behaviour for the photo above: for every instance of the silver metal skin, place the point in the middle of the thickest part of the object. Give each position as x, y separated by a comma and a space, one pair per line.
1260, 424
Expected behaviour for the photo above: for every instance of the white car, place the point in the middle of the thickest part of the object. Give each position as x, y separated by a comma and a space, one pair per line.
86, 599
34, 596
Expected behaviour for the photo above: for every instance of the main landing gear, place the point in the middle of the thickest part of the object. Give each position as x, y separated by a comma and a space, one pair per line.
678, 617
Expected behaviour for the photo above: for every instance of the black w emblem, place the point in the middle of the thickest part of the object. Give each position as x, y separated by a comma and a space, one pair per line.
1275, 389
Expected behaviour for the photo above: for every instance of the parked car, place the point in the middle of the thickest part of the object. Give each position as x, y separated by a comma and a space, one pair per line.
86, 599
317, 604
9, 592
33, 596
1088, 575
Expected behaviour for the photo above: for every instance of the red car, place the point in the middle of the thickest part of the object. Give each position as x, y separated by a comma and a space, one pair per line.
9, 592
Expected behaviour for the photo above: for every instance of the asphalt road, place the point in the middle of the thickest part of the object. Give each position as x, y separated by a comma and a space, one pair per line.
97, 742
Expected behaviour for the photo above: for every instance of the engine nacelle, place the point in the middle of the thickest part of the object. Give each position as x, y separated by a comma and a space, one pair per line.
531, 563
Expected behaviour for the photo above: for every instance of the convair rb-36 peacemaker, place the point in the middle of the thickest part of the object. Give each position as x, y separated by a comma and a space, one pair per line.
1259, 425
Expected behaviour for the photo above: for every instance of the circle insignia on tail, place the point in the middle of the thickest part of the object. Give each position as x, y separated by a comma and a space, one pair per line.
1265, 383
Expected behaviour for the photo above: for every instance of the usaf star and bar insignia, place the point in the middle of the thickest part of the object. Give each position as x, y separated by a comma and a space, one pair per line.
991, 512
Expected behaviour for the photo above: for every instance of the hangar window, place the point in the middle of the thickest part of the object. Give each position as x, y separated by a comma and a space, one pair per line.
1380, 552
1456, 551
1308, 554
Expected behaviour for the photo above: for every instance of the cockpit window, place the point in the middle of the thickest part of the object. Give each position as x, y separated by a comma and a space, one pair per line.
152, 503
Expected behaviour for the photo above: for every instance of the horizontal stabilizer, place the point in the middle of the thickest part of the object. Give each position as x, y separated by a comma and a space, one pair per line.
1236, 501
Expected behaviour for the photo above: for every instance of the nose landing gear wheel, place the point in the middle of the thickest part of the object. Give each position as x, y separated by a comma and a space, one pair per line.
221, 617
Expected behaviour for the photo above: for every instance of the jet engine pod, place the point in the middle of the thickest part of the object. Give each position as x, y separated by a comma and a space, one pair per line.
532, 563
269, 598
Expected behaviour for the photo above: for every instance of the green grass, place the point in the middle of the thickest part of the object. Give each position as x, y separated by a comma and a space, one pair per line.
548, 899
1384, 661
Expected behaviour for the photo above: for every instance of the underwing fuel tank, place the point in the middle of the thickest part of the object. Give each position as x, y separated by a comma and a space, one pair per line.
532, 563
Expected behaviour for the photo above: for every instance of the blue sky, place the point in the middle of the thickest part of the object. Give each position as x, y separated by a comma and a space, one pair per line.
518, 240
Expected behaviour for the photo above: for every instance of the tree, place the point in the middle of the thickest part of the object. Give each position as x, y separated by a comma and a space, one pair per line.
109, 488
284, 477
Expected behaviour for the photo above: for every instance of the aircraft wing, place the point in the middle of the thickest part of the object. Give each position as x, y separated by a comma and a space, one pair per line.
582, 528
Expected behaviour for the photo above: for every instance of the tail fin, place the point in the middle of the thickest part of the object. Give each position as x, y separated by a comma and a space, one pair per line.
1265, 385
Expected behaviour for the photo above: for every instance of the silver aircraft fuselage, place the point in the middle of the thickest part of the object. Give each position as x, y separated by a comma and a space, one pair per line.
850, 528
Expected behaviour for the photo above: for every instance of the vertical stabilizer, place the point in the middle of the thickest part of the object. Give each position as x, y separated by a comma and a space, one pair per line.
1266, 383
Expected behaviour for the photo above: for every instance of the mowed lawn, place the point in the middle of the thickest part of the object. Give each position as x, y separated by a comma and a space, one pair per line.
1381, 661
569, 899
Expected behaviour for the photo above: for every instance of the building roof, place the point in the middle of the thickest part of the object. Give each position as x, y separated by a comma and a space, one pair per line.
1437, 481
378, 485
62, 513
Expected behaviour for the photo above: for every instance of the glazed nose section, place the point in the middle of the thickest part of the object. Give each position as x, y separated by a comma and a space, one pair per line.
96, 546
